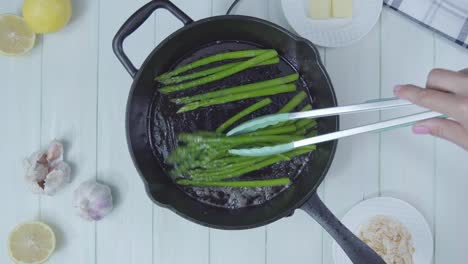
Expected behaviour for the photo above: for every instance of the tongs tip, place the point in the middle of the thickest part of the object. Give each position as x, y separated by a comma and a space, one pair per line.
263, 151
258, 123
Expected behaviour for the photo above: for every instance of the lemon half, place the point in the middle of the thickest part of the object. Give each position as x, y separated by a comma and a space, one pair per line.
31, 243
46, 16
16, 37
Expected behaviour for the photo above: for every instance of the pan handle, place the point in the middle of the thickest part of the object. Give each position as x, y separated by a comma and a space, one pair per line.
356, 250
135, 22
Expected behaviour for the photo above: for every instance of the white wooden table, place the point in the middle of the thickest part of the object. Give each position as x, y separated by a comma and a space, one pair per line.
73, 88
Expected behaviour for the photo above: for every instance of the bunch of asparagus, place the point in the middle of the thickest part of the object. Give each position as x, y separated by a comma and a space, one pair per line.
204, 160
176, 82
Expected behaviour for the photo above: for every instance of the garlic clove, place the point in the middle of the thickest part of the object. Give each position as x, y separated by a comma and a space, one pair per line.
93, 200
55, 151
36, 187
36, 172
57, 178
63, 167
36, 167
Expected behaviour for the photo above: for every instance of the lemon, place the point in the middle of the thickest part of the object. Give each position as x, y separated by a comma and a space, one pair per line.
16, 37
31, 242
46, 16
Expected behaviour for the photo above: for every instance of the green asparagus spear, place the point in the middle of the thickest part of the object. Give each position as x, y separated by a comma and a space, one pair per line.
178, 79
301, 121
256, 166
312, 133
290, 122
312, 124
293, 103
221, 172
214, 168
232, 159
237, 89
238, 184
215, 172
203, 151
288, 107
274, 131
304, 122
223, 74
307, 107
306, 127
243, 113
187, 167
214, 58
285, 88
236, 140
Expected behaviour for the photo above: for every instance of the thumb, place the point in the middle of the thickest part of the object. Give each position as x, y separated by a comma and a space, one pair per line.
443, 128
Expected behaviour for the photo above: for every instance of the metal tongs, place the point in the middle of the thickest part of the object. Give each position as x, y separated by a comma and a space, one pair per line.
374, 105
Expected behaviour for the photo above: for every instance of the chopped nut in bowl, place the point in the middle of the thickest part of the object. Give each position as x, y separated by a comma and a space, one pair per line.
389, 238
393, 228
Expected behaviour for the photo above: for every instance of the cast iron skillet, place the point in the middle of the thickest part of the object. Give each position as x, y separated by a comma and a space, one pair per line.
152, 124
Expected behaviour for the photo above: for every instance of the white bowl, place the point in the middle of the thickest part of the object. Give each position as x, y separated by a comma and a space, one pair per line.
414, 221
333, 32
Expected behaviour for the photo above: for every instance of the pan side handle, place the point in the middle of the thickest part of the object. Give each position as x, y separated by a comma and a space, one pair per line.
135, 21
357, 251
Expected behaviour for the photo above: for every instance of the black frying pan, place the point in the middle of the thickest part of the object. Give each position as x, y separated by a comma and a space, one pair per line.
152, 124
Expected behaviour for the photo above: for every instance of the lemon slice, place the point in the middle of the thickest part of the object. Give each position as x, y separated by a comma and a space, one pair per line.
31, 243
16, 37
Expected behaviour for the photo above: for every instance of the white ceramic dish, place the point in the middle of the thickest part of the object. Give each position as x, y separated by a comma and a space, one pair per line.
333, 32
397, 209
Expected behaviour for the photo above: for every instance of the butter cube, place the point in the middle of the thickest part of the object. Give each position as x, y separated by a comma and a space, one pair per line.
320, 9
342, 8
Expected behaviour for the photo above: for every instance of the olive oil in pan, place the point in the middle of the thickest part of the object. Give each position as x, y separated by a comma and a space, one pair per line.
166, 124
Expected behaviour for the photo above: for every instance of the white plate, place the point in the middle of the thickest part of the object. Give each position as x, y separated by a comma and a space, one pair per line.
408, 215
333, 32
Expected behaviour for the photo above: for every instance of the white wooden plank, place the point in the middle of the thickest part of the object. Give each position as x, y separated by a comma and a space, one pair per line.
355, 73
296, 239
276, 14
233, 247
220, 7
407, 161
177, 240
20, 105
125, 236
166, 23
257, 8
451, 178
69, 114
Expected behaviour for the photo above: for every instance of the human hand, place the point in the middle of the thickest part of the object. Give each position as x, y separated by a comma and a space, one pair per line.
447, 93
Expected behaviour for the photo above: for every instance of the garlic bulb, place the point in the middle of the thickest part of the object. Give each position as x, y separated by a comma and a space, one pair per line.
93, 200
46, 172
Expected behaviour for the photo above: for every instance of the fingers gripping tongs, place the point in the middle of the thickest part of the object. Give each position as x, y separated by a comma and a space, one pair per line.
374, 105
